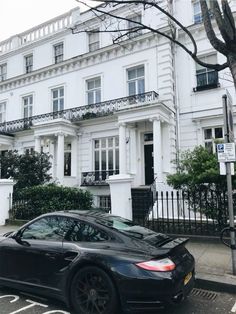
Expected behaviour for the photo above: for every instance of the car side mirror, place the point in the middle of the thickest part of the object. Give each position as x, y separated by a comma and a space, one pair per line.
17, 237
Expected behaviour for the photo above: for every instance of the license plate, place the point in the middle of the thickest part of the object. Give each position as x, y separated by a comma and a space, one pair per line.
187, 278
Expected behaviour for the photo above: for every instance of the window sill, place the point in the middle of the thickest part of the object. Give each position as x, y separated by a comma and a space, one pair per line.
206, 87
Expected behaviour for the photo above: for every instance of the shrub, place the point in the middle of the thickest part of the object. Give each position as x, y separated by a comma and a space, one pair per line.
33, 201
26, 169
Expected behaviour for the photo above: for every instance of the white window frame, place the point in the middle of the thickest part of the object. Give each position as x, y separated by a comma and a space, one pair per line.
28, 65
200, 70
96, 91
135, 80
130, 24
28, 103
3, 105
58, 56
3, 72
114, 148
58, 99
93, 40
213, 138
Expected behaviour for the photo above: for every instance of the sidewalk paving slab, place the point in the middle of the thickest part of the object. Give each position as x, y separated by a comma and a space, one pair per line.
213, 265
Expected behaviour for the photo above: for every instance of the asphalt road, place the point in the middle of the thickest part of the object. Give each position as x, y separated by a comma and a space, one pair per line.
199, 302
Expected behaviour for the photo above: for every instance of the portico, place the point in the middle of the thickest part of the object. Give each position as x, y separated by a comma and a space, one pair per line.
59, 139
135, 132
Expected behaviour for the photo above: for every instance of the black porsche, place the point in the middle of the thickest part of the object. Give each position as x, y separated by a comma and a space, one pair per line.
97, 263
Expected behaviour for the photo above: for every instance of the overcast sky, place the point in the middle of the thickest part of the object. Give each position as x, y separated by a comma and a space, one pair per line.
17, 16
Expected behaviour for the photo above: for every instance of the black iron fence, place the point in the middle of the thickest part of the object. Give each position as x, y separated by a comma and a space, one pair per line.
203, 213
188, 213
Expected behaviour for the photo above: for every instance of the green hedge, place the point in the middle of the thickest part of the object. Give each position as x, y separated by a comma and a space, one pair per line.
31, 202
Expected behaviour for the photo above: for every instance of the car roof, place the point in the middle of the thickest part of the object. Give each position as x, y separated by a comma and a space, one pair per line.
91, 214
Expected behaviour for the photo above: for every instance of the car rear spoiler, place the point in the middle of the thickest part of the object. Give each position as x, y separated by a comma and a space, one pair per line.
175, 243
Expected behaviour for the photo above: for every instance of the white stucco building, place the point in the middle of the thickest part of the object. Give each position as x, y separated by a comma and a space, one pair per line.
101, 108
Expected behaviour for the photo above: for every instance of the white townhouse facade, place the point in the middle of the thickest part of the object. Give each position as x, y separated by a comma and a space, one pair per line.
102, 109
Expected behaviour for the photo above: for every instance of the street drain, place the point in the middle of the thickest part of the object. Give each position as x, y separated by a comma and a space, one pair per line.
204, 294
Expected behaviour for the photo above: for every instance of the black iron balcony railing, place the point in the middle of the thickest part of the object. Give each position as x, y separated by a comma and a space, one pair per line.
207, 80
81, 113
97, 177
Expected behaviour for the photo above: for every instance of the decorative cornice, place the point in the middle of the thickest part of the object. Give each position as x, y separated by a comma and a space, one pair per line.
107, 53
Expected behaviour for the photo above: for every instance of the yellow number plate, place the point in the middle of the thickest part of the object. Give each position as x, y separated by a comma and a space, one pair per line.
187, 278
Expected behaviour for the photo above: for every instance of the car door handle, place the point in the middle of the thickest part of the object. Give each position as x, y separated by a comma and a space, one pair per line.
70, 255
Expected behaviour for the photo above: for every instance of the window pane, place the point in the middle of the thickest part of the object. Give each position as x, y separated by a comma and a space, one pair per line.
96, 143
90, 84
207, 134
131, 74
201, 79
98, 96
98, 82
83, 232
110, 142
61, 104
104, 160
209, 146
96, 160
117, 159
132, 90
67, 163
51, 228
140, 71
117, 141
26, 112
90, 98
103, 142
110, 160
218, 133
55, 93
55, 105
141, 86
61, 92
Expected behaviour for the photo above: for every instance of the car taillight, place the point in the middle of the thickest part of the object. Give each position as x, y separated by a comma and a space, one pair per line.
164, 264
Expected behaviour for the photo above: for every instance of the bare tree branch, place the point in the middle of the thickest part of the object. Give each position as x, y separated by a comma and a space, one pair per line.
140, 26
229, 21
215, 42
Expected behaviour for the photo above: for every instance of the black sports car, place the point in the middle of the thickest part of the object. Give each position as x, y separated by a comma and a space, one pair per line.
96, 262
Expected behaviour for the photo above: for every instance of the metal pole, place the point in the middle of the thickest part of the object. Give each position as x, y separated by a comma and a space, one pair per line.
229, 190
231, 216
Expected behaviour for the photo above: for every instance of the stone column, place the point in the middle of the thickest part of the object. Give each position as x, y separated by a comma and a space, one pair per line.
74, 154
157, 149
37, 144
133, 150
60, 157
122, 148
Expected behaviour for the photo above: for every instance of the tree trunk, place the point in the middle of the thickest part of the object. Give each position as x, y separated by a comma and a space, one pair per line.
232, 66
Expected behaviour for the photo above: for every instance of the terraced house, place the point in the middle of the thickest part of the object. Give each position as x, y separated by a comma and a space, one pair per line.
103, 110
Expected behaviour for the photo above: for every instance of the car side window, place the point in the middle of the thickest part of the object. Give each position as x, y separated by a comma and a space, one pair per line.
47, 228
83, 232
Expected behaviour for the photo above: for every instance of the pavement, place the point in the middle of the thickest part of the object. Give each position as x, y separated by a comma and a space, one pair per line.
213, 263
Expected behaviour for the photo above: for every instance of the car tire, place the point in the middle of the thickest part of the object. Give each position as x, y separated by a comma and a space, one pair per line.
93, 292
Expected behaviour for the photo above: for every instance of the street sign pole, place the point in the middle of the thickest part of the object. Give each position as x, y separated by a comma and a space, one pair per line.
228, 128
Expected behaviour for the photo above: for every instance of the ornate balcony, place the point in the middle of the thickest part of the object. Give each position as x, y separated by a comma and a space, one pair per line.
93, 178
81, 113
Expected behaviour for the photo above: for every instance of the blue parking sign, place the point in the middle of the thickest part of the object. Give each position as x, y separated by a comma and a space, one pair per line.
220, 148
